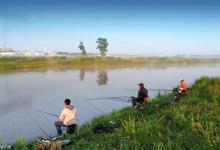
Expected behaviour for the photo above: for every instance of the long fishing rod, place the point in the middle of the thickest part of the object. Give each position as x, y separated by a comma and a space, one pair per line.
42, 130
44, 112
160, 90
120, 100
150, 90
128, 100
108, 98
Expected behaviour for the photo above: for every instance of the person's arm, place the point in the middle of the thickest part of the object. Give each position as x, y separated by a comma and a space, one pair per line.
75, 113
138, 94
146, 97
180, 88
145, 93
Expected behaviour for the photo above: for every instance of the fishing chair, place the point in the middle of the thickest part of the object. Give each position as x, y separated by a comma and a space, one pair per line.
70, 128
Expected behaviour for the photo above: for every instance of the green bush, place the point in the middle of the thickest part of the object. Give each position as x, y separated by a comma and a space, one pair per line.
20, 144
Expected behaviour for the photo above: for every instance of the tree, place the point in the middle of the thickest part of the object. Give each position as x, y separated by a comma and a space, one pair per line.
102, 45
82, 48
102, 77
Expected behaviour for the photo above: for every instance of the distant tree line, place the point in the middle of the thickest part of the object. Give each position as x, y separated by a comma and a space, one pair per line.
102, 45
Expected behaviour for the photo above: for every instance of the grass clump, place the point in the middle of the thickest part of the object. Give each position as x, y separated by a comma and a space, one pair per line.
20, 144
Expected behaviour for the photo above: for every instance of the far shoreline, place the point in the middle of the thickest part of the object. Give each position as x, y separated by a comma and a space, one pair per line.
12, 64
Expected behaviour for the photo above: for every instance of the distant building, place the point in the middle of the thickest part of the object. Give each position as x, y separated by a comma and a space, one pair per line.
6, 49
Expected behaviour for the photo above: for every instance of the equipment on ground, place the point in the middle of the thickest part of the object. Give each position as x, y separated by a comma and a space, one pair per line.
108, 127
52, 144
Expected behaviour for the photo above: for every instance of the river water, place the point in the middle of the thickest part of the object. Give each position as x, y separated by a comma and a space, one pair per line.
21, 92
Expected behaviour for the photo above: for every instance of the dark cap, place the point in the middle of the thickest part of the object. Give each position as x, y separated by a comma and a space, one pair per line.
141, 84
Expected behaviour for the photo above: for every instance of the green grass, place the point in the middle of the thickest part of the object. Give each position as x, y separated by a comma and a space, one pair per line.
30, 63
192, 123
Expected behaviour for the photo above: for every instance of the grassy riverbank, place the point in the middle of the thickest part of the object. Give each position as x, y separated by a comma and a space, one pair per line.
31, 63
192, 123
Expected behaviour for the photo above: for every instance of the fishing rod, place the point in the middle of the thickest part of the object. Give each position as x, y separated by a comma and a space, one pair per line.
160, 90
150, 90
42, 130
120, 100
44, 112
108, 98
125, 99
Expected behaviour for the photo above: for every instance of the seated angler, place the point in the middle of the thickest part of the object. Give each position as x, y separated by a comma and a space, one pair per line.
142, 96
67, 118
181, 91
183, 88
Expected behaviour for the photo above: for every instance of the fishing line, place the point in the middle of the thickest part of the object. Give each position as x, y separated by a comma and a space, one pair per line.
88, 110
96, 107
50, 118
42, 130
45, 112
124, 99
118, 97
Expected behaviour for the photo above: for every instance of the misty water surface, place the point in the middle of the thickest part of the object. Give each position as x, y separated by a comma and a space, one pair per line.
45, 90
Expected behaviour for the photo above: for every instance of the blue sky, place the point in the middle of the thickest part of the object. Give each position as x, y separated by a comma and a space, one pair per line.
166, 27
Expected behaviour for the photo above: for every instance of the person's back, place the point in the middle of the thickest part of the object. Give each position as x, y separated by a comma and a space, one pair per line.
67, 118
68, 115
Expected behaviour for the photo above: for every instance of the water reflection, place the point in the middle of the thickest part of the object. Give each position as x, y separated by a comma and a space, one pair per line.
102, 77
82, 74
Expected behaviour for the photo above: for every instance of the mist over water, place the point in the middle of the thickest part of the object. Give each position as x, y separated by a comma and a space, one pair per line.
21, 92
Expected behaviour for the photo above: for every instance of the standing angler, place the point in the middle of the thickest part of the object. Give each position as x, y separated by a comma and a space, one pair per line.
68, 118
142, 96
